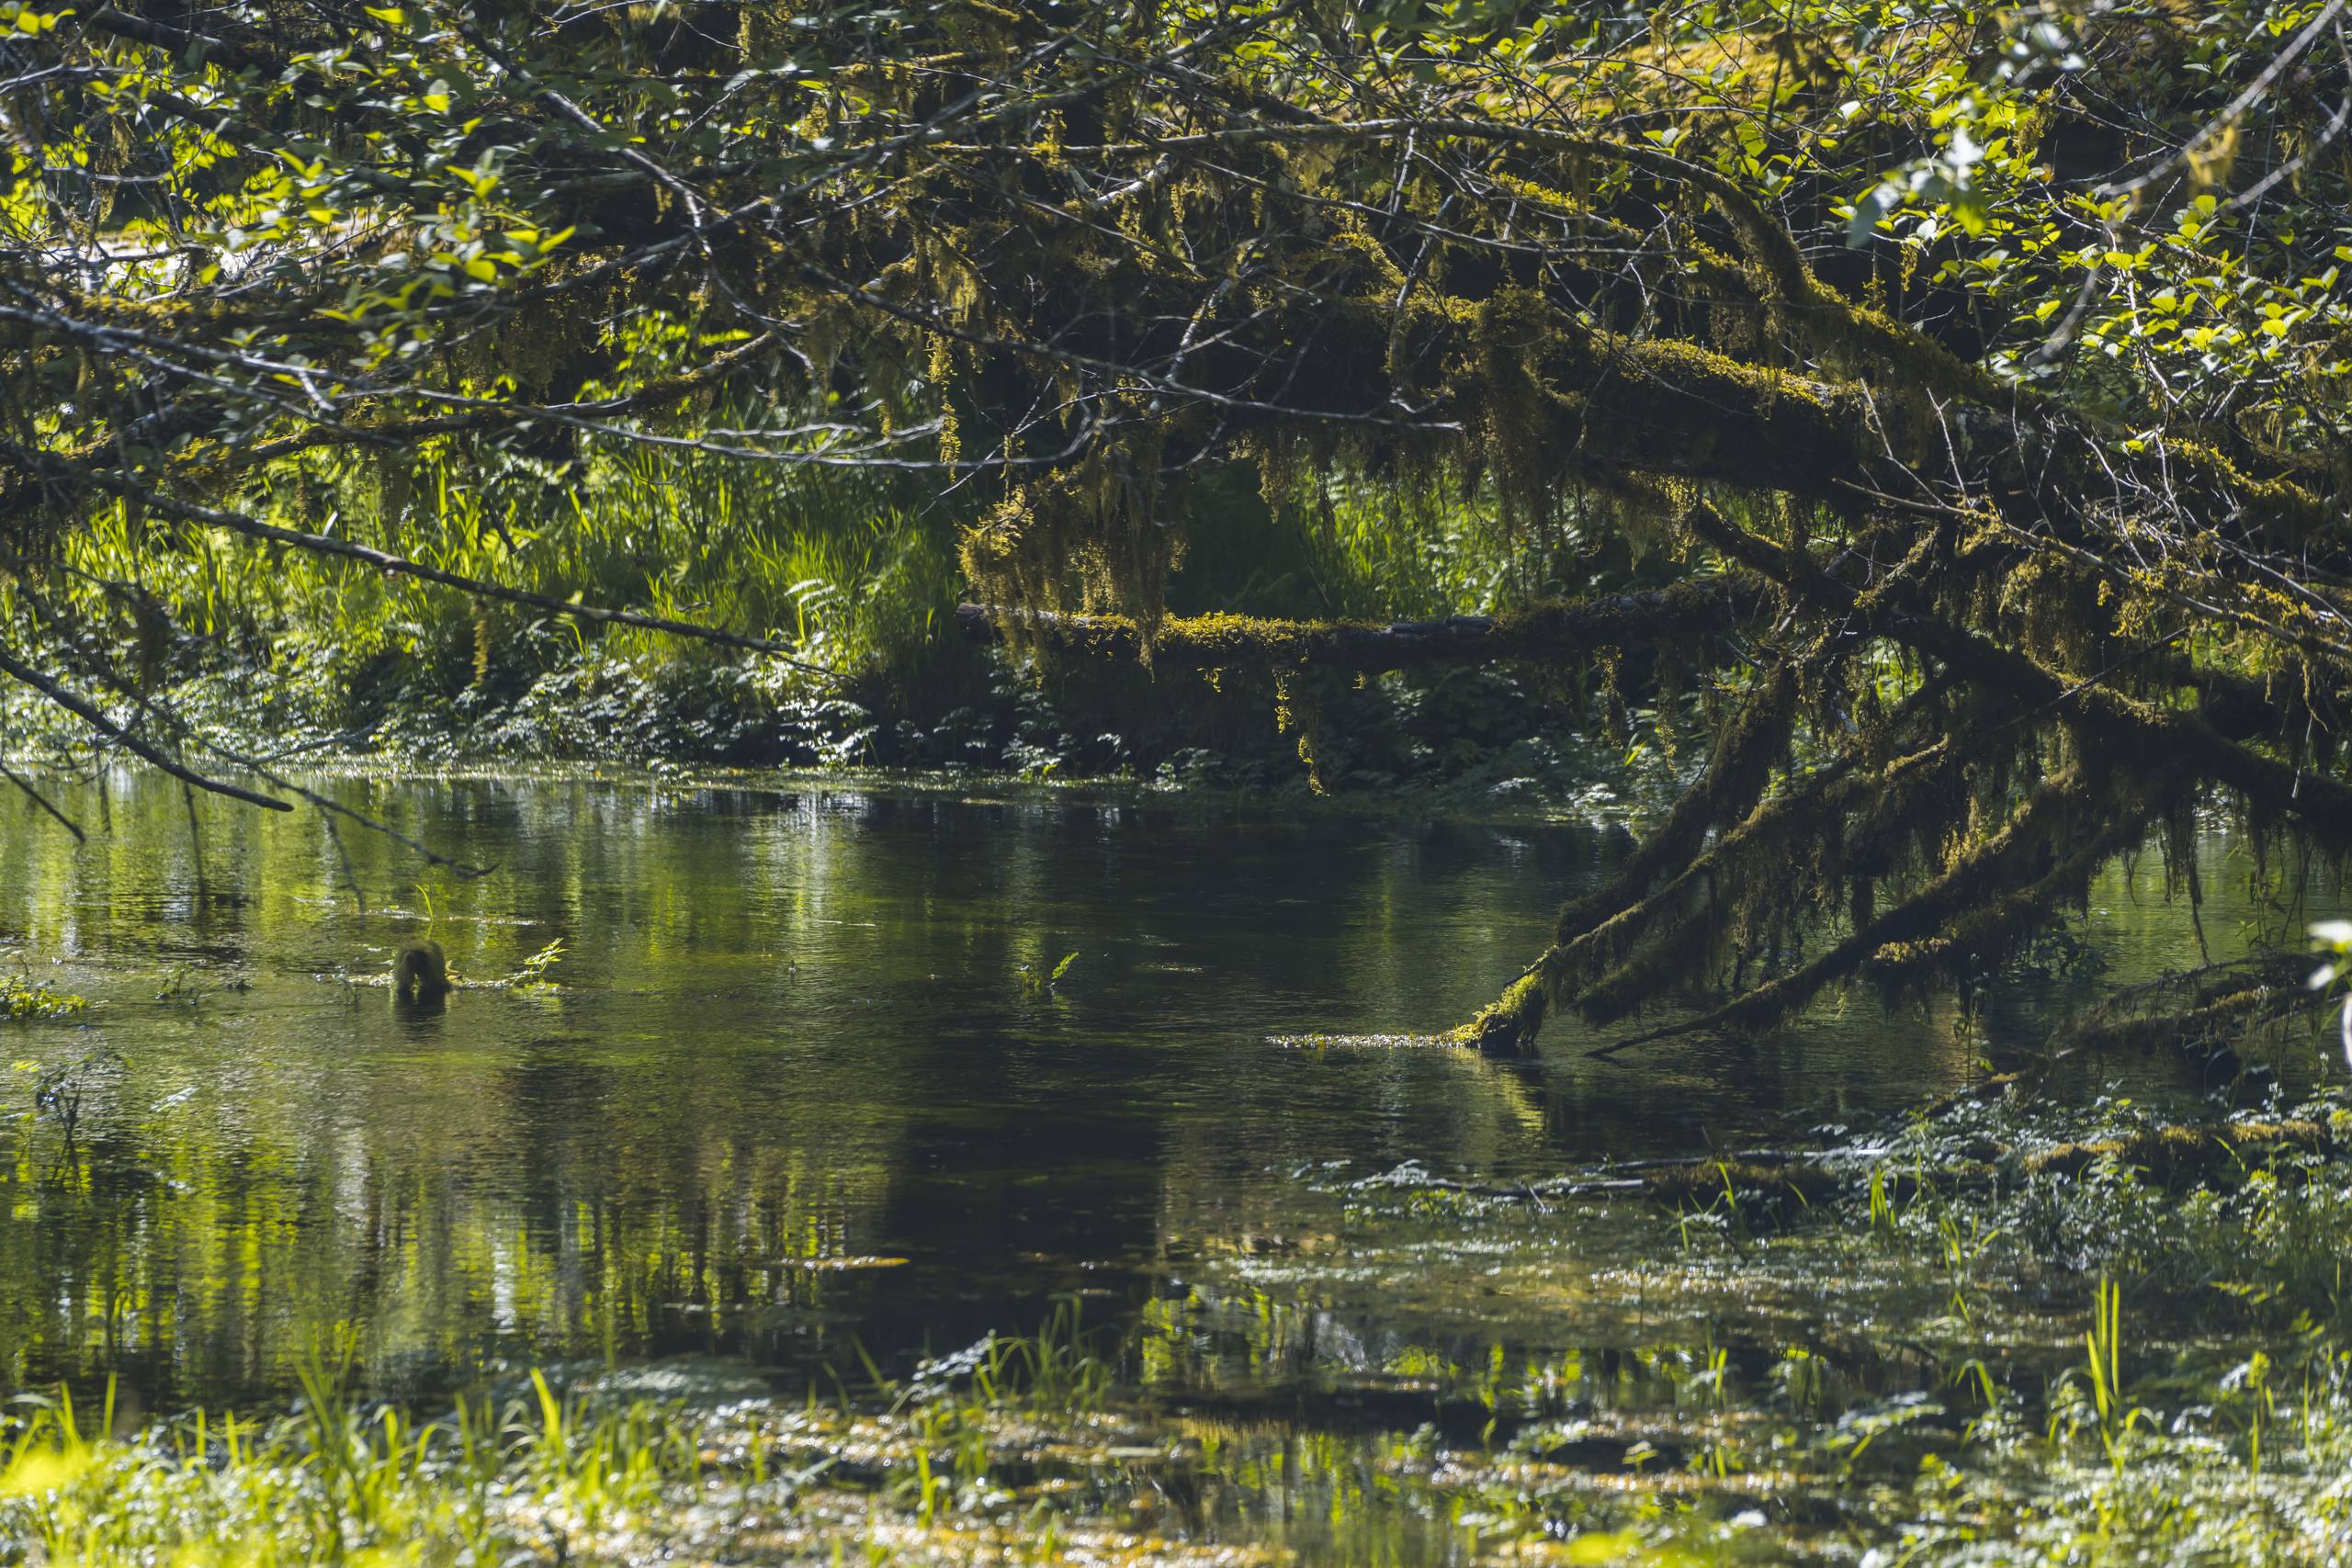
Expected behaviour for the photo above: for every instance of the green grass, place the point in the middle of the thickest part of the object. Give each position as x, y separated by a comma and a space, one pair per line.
997, 1469
338, 1482
850, 571
857, 574
539, 1475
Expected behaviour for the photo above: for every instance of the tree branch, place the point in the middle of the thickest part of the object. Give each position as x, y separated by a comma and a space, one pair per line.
89, 714
1544, 631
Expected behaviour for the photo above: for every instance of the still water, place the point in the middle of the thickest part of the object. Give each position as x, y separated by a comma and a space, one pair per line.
801, 1089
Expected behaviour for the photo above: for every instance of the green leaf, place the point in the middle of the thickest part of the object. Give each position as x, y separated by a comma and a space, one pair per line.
1868, 212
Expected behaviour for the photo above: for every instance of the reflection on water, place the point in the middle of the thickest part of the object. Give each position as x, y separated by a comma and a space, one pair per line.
802, 1083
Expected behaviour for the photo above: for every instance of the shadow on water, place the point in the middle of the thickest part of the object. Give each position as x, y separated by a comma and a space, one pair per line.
804, 1082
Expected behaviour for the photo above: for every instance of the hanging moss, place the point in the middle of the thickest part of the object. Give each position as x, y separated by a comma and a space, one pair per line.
1973, 600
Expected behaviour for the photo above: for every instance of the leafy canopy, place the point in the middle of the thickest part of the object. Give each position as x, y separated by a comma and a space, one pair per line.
1978, 373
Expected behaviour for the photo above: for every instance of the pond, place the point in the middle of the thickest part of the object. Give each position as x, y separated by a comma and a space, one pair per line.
804, 1089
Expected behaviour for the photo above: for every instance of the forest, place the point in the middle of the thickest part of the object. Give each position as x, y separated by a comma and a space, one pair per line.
1335, 781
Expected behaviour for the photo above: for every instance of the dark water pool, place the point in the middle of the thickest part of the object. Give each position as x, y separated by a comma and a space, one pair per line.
802, 1086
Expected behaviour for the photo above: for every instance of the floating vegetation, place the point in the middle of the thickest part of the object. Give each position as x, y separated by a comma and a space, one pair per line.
1043, 979
191, 984
1968, 1344
1361, 1042
22, 996
532, 972
838, 1265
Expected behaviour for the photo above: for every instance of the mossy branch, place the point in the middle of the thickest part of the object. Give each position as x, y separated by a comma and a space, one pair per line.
2053, 812
1553, 632
2125, 729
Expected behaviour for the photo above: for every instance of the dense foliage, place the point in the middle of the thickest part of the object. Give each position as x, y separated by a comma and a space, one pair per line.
1935, 414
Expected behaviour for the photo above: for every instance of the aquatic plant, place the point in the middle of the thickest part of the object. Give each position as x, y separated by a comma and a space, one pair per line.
1040, 979
533, 970
336, 1481
23, 997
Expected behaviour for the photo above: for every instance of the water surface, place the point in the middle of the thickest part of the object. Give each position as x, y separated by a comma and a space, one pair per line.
802, 1086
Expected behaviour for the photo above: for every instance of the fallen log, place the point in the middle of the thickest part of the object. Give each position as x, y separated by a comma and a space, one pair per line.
1552, 631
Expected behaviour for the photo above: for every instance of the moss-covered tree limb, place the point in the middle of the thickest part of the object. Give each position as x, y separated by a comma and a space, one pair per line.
2128, 731
2054, 812
1973, 913
2207, 1012
1756, 743
1849, 810
1559, 631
